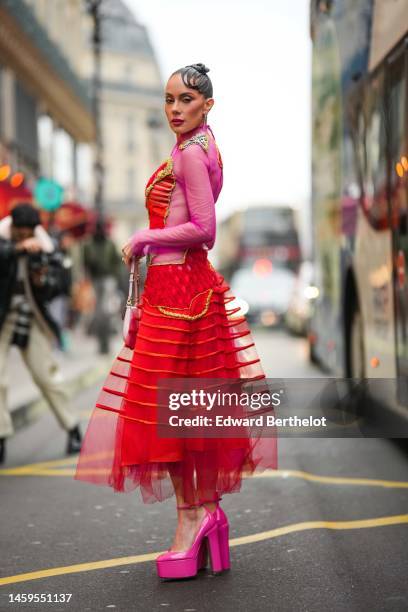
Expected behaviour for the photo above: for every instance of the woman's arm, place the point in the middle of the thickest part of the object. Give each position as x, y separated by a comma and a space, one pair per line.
201, 206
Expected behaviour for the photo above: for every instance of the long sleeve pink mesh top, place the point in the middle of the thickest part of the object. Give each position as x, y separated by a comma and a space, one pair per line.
192, 182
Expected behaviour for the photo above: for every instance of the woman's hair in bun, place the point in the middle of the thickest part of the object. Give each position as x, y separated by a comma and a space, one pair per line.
195, 77
201, 68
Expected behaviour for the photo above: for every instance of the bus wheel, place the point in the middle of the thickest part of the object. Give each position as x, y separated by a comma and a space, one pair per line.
311, 340
312, 355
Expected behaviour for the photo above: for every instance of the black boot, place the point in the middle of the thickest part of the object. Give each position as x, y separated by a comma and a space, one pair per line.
74, 441
2, 450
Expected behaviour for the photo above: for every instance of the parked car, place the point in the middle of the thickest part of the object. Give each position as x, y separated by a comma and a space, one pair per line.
298, 315
263, 291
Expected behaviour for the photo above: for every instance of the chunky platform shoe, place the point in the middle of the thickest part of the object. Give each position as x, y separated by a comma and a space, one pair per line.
185, 564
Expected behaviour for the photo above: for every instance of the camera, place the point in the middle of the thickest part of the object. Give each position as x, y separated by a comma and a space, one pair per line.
22, 328
37, 261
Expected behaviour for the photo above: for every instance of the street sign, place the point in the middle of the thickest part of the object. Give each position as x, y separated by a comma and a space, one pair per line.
48, 194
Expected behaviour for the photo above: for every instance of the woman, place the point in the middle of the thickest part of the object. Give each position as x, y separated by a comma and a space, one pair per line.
186, 331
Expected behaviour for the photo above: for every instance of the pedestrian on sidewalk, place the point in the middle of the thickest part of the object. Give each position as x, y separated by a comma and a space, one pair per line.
186, 331
102, 263
31, 274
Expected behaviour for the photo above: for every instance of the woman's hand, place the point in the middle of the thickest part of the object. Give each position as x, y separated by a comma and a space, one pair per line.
130, 250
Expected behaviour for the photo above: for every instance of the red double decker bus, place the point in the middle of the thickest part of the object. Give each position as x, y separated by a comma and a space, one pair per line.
267, 232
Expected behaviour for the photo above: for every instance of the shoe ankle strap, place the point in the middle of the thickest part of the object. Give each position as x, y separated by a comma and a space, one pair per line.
199, 503
188, 506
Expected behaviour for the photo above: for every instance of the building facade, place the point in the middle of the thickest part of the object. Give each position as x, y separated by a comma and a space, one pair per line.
135, 135
40, 85
46, 90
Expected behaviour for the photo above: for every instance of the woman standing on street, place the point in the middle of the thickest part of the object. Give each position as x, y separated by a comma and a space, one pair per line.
186, 331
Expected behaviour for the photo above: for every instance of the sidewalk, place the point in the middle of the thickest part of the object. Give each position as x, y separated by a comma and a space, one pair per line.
81, 366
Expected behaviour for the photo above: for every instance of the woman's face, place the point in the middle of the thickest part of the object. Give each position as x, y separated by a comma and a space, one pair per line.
185, 107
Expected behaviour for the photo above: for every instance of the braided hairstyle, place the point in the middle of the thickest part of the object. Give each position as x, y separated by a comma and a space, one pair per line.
195, 76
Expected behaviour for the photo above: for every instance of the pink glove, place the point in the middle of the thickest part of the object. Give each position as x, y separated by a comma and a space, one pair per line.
200, 201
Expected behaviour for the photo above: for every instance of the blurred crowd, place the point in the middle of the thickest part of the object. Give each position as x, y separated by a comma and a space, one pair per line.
96, 281
51, 283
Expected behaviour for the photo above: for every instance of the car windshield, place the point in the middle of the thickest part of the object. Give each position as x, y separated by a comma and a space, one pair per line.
246, 281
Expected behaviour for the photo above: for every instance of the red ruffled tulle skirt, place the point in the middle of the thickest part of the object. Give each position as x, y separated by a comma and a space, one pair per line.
186, 330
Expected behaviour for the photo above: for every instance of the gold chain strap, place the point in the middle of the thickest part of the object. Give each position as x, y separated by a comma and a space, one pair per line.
134, 283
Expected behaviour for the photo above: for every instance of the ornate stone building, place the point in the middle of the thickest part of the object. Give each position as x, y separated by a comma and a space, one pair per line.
136, 136
39, 78
46, 68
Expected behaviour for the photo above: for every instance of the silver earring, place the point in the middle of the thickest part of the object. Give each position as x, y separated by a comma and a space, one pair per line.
205, 119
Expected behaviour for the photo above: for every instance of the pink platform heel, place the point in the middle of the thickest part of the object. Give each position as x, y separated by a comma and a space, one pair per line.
185, 564
223, 537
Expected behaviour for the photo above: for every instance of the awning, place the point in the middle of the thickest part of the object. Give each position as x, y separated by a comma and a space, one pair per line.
72, 217
10, 196
390, 23
27, 49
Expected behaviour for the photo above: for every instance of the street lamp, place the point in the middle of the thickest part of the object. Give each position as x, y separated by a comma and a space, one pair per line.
93, 8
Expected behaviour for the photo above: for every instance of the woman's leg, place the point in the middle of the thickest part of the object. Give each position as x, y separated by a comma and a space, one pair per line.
189, 519
207, 476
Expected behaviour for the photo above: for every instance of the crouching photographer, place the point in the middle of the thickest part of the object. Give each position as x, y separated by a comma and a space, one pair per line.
32, 274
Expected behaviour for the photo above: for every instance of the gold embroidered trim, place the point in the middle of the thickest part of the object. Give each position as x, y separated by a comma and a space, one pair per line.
189, 358
170, 193
150, 313
151, 256
182, 329
181, 356
178, 315
201, 139
188, 342
166, 171
225, 367
177, 307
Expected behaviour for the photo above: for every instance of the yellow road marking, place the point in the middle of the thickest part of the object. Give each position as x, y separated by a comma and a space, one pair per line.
32, 467
45, 468
45, 472
256, 537
369, 482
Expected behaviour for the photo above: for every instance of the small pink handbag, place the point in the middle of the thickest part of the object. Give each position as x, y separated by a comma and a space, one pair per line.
132, 312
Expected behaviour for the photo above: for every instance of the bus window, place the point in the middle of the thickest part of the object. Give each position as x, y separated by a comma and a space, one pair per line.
398, 205
397, 151
375, 200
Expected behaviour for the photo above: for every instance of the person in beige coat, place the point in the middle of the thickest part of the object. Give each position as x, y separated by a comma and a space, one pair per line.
31, 274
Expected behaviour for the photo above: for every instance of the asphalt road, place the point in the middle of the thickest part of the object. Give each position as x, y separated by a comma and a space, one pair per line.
327, 531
